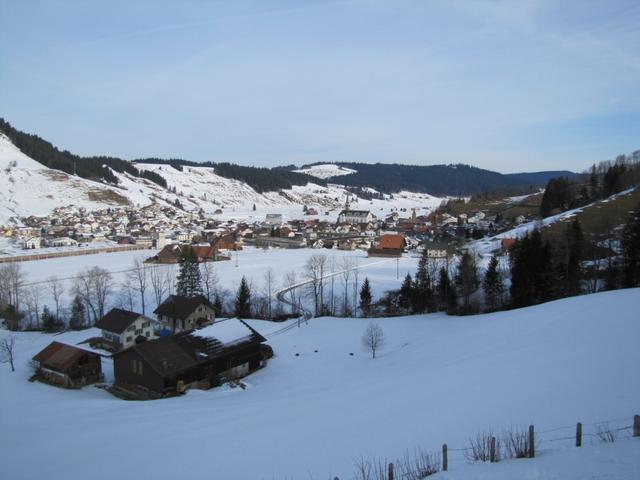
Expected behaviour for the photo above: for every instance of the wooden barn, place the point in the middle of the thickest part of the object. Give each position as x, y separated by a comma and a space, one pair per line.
67, 366
204, 358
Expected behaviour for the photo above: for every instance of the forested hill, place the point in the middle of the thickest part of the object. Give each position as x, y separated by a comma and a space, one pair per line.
438, 180
93, 168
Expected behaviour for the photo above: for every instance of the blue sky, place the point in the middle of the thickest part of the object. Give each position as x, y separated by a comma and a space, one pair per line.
505, 85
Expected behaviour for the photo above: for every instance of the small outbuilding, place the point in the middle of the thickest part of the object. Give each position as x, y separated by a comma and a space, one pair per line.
67, 366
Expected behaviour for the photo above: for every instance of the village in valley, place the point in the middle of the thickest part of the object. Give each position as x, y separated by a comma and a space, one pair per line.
320, 240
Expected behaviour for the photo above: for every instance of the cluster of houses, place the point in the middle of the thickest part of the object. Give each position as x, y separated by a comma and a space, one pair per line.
185, 347
166, 228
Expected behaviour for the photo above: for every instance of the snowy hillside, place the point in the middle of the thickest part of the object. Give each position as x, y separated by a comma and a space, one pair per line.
327, 170
29, 188
316, 408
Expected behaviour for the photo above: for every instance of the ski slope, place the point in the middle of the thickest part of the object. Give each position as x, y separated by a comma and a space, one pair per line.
439, 379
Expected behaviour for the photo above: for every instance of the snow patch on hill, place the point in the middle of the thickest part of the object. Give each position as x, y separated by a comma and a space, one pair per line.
327, 170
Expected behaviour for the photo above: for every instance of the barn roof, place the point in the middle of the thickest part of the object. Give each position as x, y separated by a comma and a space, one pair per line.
180, 307
188, 349
117, 320
61, 356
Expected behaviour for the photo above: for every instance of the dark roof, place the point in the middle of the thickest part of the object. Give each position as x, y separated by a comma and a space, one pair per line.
60, 355
177, 306
179, 352
117, 320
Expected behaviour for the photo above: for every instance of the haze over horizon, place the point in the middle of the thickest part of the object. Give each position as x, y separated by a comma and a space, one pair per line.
507, 86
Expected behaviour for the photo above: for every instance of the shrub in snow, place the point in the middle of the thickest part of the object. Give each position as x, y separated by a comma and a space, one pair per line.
479, 449
516, 443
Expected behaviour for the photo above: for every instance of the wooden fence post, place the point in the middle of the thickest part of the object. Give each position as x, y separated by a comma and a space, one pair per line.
390, 476
578, 434
636, 425
532, 446
445, 458
492, 452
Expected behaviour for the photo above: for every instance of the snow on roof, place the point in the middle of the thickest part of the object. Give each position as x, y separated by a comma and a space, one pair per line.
227, 332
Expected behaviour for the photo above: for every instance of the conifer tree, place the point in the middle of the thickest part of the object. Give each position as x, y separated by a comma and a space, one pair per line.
423, 292
365, 298
406, 294
243, 300
493, 286
77, 318
189, 280
217, 304
575, 248
447, 295
467, 278
631, 250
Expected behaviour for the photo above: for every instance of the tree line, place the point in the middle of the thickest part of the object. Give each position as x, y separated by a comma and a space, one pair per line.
603, 180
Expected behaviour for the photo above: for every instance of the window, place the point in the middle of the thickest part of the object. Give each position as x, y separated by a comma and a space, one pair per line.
128, 339
146, 334
135, 365
139, 332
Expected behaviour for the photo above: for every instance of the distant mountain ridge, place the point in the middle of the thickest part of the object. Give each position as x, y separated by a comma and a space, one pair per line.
438, 180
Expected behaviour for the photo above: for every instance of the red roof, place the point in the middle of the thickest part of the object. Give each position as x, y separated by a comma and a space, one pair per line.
392, 241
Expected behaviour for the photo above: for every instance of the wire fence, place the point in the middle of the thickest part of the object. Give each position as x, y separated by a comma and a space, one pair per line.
605, 431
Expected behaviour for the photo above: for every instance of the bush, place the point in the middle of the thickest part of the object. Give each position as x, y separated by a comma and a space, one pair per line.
480, 448
516, 443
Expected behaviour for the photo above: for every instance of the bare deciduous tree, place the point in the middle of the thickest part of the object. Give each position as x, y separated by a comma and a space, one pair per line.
268, 279
126, 295
12, 280
7, 347
32, 301
209, 279
347, 267
56, 288
139, 280
290, 280
161, 280
94, 285
373, 339
314, 272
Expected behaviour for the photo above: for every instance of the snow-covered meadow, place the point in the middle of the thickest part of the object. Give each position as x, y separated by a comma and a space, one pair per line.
439, 379
253, 263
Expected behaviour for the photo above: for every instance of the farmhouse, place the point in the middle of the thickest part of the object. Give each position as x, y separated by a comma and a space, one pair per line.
389, 245
67, 366
121, 328
180, 313
226, 350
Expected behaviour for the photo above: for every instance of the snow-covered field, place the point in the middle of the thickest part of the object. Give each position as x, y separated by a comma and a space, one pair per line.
439, 379
253, 263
